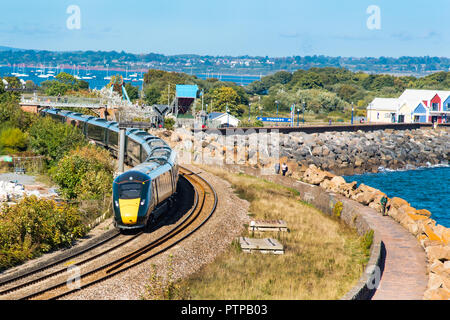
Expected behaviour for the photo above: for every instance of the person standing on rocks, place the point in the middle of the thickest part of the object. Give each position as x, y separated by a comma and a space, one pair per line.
284, 168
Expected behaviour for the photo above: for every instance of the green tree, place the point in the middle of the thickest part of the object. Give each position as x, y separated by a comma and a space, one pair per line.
84, 173
224, 97
53, 139
132, 91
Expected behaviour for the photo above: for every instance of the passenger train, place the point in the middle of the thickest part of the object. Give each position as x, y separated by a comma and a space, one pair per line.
139, 194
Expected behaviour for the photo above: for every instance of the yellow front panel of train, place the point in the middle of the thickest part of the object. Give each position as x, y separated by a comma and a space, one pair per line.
129, 209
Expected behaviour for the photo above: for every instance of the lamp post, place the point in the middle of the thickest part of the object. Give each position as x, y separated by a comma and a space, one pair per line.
228, 117
304, 105
202, 97
298, 117
249, 112
352, 112
277, 102
260, 106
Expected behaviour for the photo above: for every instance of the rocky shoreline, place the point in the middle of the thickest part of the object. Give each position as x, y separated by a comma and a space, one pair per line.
434, 238
348, 153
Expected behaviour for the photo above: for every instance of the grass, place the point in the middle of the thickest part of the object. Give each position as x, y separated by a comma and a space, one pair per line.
323, 257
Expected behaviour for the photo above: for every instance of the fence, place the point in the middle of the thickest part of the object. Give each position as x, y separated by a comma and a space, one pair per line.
23, 165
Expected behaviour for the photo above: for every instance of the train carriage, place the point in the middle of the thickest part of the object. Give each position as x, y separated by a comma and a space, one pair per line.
141, 191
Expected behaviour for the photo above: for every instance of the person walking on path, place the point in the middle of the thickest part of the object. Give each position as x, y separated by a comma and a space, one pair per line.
277, 168
284, 168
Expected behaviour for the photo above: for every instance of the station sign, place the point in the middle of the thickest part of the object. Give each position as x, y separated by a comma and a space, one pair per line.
274, 119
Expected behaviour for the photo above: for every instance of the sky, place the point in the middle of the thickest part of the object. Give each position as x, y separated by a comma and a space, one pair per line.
274, 28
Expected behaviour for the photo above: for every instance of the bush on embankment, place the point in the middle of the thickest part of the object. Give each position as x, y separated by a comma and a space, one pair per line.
35, 226
53, 139
84, 173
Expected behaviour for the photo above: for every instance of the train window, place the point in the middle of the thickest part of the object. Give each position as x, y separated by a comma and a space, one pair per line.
144, 155
57, 117
113, 138
134, 149
130, 191
95, 132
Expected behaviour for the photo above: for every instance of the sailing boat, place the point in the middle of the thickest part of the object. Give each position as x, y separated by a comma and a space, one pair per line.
126, 76
42, 75
107, 74
22, 74
87, 76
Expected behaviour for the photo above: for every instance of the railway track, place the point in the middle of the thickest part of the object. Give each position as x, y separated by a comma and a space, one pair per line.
56, 284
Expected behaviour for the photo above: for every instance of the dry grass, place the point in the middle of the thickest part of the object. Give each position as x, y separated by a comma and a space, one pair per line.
323, 258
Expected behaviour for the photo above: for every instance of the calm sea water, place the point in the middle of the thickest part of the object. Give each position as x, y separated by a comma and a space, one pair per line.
425, 188
98, 80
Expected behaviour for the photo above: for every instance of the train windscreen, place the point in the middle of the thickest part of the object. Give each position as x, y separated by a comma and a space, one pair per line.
130, 191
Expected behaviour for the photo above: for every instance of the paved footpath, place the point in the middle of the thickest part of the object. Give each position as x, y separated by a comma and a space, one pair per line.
404, 276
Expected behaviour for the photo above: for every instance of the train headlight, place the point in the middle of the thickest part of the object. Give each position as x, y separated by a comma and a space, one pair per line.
116, 203
142, 202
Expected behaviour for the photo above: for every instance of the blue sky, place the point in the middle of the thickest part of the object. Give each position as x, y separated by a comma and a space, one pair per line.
231, 27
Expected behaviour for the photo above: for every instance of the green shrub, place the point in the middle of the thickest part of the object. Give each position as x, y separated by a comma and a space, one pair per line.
84, 173
337, 209
53, 139
35, 226
13, 140
169, 123
251, 124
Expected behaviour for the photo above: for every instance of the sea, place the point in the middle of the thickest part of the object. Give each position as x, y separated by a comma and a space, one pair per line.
96, 76
424, 188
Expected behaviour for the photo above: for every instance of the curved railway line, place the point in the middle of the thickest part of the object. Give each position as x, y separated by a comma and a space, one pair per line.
51, 281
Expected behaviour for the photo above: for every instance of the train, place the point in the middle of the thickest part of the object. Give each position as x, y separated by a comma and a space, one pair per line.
141, 194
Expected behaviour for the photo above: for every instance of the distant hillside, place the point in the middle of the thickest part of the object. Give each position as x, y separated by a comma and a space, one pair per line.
242, 65
3, 48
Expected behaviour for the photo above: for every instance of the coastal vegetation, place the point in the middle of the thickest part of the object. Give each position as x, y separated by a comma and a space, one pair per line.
83, 173
34, 226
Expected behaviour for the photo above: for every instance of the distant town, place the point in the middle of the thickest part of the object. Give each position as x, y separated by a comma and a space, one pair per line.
240, 65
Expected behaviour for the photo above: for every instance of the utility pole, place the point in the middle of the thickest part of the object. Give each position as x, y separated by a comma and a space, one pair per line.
121, 149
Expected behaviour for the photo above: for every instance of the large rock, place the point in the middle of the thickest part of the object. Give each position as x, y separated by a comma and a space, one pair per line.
348, 189
365, 194
315, 176
334, 184
438, 253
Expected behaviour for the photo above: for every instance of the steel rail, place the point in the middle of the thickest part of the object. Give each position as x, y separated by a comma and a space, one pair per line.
119, 265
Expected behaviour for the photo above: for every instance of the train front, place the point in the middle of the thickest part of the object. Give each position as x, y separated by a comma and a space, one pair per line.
132, 200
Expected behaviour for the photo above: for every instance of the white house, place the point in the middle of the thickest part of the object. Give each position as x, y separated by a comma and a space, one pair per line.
223, 119
382, 110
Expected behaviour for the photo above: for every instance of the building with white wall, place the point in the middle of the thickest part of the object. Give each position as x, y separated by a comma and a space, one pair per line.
412, 106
